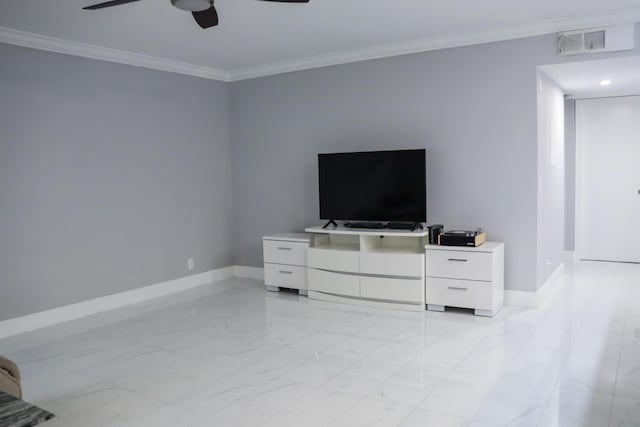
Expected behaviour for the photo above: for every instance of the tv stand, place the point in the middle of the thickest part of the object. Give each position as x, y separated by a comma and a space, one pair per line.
366, 224
405, 226
372, 267
330, 222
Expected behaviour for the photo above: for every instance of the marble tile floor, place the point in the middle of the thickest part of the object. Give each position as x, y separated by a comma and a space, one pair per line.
232, 354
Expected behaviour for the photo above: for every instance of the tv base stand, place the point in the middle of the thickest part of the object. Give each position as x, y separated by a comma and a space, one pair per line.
330, 222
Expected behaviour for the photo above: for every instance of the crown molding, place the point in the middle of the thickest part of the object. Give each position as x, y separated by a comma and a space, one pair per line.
37, 41
425, 45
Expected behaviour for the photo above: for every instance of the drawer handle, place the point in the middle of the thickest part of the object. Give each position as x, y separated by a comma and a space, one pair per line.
283, 248
455, 288
458, 259
285, 272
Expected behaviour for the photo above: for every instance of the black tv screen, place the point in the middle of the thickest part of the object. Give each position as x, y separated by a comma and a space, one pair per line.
373, 186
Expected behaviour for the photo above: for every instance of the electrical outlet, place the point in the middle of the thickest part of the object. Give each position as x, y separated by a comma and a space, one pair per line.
190, 264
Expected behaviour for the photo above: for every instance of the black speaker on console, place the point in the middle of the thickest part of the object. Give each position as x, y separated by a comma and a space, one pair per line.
434, 233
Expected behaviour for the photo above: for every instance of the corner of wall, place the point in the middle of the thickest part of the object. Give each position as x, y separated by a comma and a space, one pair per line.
550, 233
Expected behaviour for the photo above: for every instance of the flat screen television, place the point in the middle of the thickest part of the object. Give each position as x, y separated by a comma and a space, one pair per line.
373, 186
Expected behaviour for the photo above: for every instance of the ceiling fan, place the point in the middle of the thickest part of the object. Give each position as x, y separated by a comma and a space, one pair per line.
203, 10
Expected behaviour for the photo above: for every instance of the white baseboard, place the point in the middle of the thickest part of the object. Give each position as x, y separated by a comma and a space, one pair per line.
249, 272
79, 310
535, 299
82, 309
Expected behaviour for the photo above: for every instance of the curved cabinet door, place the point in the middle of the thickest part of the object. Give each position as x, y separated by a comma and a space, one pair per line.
333, 283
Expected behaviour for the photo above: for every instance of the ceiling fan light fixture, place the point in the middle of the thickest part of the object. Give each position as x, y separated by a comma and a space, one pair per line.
192, 5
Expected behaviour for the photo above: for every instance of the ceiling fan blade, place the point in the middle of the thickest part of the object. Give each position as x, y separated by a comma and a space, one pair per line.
108, 4
206, 18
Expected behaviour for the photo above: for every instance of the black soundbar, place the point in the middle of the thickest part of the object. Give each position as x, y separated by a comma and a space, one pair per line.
380, 225
404, 226
366, 224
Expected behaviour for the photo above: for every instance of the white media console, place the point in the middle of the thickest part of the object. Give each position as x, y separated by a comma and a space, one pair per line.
368, 267
386, 268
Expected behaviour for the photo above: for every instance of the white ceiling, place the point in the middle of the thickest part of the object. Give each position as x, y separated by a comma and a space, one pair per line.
255, 35
582, 79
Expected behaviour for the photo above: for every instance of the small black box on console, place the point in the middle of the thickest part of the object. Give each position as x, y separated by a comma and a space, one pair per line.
463, 238
434, 233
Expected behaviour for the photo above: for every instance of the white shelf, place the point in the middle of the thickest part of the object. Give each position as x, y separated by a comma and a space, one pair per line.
339, 246
485, 247
289, 237
366, 231
393, 250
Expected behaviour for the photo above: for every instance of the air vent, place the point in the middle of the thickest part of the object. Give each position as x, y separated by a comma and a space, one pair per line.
594, 40
571, 44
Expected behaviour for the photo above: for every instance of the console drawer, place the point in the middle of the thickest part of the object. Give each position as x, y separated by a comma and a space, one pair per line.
459, 293
459, 265
334, 259
283, 252
390, 264
285, 276
333, 283
400, 290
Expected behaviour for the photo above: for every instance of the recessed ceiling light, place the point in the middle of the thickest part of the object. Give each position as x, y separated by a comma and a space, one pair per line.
605, 82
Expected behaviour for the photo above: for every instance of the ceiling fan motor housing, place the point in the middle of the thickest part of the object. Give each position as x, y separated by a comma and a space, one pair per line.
192, 5
203, 11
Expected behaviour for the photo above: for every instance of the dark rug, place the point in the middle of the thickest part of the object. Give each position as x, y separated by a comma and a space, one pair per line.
18, 413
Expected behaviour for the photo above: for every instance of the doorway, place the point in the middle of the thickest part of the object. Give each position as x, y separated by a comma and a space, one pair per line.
608, 179
602, 157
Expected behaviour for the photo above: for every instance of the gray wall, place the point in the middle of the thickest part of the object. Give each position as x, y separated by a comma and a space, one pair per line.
472, 108
570, 174
111, 176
